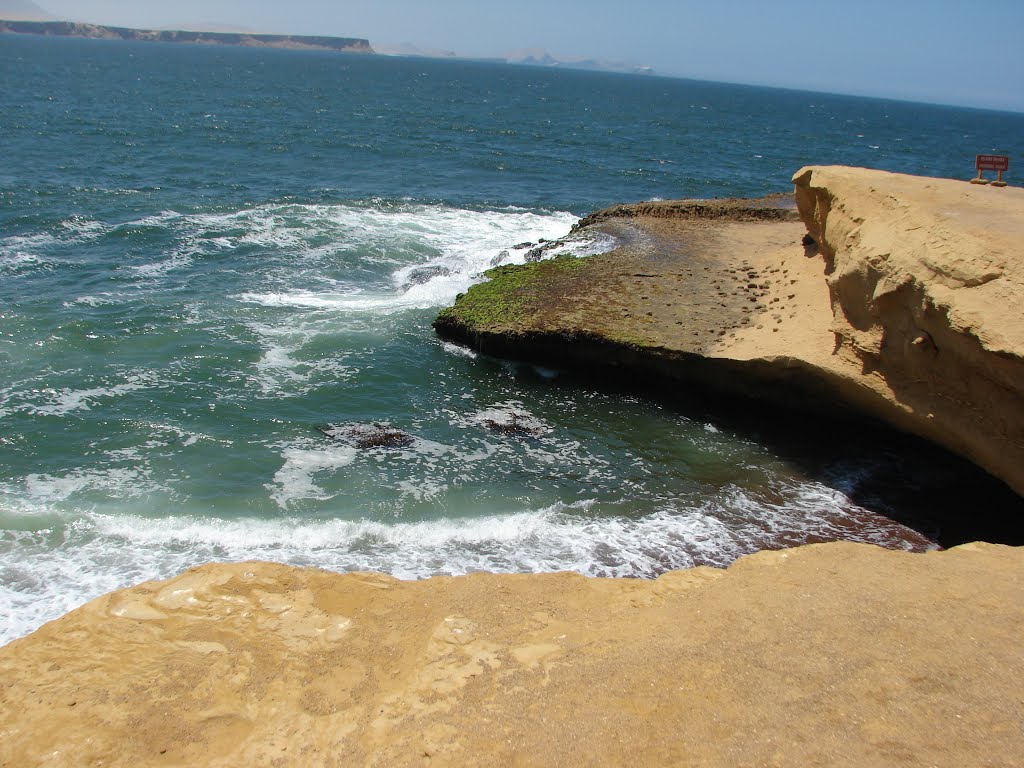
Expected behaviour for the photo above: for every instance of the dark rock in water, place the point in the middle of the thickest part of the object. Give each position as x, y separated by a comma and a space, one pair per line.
422, 275
499, 258
514, 424
521, 246
367, 435
545, 245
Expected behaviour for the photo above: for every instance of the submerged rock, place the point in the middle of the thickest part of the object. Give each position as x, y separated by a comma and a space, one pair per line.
425, 274
510, 419
522, 425
374, 435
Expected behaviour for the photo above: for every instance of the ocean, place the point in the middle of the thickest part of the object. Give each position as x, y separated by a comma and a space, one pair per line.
214, 259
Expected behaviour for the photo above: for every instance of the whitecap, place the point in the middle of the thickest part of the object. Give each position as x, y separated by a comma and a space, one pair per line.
458, 350
60, 402
115, 482
295, 479
17, 261
99, 300
160, 268
66, 561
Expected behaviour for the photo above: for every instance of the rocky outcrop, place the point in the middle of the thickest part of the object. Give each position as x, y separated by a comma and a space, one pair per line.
898, 297
836, 654
79, 29
926, 281
359, 435
777, 207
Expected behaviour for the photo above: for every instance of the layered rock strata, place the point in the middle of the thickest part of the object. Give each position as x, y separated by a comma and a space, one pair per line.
904, 307
835, 654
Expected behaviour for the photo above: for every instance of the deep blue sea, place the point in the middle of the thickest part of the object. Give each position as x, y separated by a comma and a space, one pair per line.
206, 253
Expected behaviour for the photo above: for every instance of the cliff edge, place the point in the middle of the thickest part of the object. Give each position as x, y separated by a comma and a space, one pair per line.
926, 280
834, 654
905, 307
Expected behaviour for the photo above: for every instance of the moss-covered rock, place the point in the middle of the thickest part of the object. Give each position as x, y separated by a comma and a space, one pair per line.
507, 300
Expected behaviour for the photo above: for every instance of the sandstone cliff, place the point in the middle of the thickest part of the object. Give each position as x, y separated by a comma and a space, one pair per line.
831, 655
926, 282
908, 311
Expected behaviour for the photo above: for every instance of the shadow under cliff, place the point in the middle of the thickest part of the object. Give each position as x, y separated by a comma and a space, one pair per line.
905, 478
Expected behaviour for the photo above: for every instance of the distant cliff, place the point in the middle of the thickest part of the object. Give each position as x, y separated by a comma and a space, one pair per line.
538, 57
75, 29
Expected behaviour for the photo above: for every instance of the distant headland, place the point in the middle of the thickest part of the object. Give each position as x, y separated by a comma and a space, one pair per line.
96, 31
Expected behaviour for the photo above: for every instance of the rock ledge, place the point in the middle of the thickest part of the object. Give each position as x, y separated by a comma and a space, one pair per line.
835, 654
906, 306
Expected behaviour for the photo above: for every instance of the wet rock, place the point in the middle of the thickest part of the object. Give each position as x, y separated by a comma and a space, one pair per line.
422, 275
512, 427
499, 258
512, 423
375, 435
536, 254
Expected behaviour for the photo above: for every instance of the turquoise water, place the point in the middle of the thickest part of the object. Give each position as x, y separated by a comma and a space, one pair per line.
207, 254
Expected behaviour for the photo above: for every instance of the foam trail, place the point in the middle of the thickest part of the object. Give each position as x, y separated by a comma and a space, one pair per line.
66, 561
294, 480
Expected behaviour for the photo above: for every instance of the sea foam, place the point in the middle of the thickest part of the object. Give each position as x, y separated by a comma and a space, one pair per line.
47, 571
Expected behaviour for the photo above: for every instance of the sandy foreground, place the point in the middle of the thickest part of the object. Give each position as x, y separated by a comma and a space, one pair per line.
826, 655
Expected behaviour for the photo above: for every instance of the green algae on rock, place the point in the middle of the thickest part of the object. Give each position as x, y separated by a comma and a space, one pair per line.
501, 303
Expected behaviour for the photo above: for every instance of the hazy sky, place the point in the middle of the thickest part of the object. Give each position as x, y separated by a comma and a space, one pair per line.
945, 51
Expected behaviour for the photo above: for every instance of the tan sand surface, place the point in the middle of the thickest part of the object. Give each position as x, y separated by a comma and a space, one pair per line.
826, 655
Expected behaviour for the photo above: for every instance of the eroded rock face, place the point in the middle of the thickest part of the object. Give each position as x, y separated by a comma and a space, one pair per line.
836, 654
926, 280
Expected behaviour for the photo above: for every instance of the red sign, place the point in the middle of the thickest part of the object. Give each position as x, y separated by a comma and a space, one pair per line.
992, 163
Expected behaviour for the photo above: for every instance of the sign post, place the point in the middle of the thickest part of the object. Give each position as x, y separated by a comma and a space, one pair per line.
997, 163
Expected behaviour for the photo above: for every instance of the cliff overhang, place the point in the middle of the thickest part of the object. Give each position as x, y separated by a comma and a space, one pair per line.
926, 281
